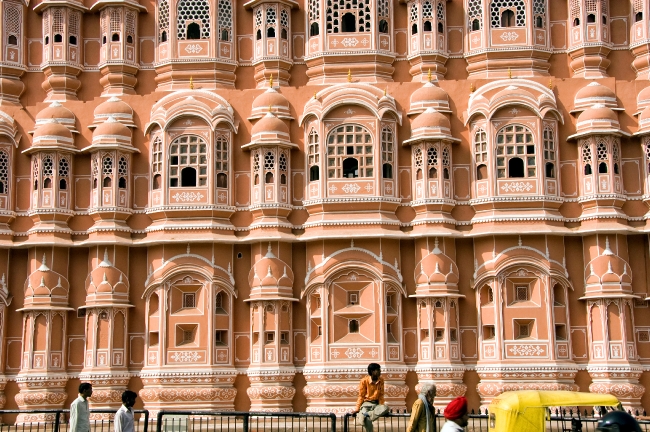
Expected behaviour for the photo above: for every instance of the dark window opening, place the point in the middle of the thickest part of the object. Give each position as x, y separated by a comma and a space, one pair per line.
348, 23
615, 168
58, 38
414, 29
222, 180
283, 179
63, 184
441, 27
638, 16
604, 20
73, 40
173, 182
588, 169
225, 36
258, 36
427, 26
481, 172
257, 179
94, 183
2, 187
104, 40
314, 30
108, 182
12, 40
47, 183
507, 18
602, 168
35, 184
283, 34
387, 171
47, 40
433, 173
193, 31
418, 174
383, 26
591, 18
350, 168
156, 181
550, 170
445, 173
121, 183
314, 173
516, 168
576, 22
353, 326
270, 32
476, 25
539, 23
163, 37
115, 37
129, 39
188, 177
268, 179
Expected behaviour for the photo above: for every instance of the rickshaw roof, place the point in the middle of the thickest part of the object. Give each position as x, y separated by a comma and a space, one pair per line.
520, 400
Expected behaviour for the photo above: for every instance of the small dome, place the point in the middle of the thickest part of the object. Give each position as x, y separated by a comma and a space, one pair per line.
644, 122
429, 96
597, 120
643, 99
106, 284
111, 127
271, 277
52, 133
271, 101
46, 288
592, 94
431, 118
598, 112
116, 108
436, 271
56, 111
270, 124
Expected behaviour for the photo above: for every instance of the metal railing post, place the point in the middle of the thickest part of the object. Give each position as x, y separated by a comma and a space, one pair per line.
57, 419
146, 421
245, 425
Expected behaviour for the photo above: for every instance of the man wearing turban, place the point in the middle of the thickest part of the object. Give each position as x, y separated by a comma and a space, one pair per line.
456, 415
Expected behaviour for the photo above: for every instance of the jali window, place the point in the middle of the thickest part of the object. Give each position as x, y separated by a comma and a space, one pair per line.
549, 152
4, 172
480, 154
387, 154
314, 156
349, 152
188, 162
348, 16
515, 152
193, 19
221, 160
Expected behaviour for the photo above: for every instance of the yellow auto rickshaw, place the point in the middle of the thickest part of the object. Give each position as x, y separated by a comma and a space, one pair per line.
525, 411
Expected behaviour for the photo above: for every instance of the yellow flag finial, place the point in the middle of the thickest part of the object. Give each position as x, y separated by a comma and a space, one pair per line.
429, 75
315, 95
271, 81
509, 73
349, 75
191, 83
270, 108
385, 91
550, 83
471, 87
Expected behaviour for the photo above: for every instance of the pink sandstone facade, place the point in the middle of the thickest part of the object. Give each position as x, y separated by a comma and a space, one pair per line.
227, 204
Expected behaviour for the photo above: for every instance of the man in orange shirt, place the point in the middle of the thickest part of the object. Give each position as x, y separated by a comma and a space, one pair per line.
370, 404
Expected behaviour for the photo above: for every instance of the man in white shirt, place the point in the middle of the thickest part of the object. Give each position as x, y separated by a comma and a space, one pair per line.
124, 416
456, 415
79, 413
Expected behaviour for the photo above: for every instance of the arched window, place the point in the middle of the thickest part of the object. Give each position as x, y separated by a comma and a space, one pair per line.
383, 26
269, 167
156, 162
603, 161
284, 23
282, 165
130, 26
58, 38
4, 172
383, 14
353, 326
638, 16
432, 162
64, 173
345, 16
615, 157
221, 160
587, 159
548, 137
188, 162
440, 16
515, 152
189, 14
414, 18
313, 156
163, 20
12, 40
575, 12
349, 152
12, 24
539, 12
35, 172
107, 171
314, 17
224, 15
258, 35
480, 154
271, 22
122, 172
74, 19
446, 163
508, 13
387, 155
57, 25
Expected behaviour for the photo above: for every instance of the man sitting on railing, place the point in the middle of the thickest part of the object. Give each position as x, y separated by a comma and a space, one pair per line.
79, 413
370, 404
422, 419
456, 415
124, 416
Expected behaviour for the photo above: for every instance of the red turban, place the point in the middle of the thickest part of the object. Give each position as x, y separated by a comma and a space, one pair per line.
456, 408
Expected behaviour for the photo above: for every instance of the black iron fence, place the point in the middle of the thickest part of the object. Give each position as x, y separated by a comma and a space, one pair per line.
59, 420
233, 421
399, 422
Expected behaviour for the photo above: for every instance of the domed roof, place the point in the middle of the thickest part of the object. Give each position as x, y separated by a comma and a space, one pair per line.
270, 124
106, 284
46, 288
607, 273
644, 122
436, 272
57, 112
598, 119
271, 101
643, 99
429, 96
270, 277
52, 134
116, 108
592, 94
112, 127
431, 124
